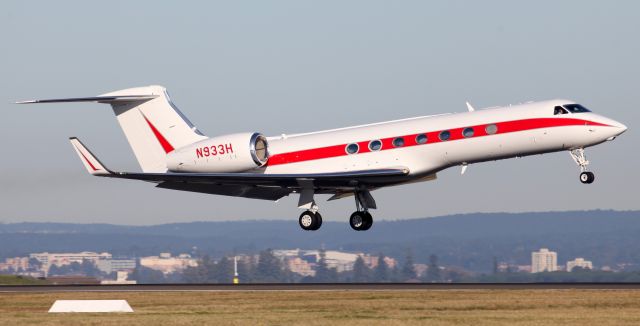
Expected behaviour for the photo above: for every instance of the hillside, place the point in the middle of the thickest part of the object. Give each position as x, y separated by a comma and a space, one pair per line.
470, 241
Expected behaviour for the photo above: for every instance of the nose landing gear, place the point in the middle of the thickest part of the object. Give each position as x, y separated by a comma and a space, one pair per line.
587, 177
578, 156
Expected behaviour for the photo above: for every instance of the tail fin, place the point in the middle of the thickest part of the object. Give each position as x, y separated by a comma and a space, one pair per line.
153, 126
90, 161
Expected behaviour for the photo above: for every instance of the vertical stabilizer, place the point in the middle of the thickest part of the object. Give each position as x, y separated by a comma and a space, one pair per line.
153, 127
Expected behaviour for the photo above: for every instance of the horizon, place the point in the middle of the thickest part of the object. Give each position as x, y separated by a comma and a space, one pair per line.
332, 221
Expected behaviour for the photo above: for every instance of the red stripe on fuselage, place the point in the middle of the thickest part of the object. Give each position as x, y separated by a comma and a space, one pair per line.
432, 138
168, 148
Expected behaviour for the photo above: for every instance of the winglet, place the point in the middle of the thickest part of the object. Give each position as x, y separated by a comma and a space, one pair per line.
470, 107
91, 163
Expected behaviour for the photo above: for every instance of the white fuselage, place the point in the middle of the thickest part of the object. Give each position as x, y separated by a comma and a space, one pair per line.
521, 130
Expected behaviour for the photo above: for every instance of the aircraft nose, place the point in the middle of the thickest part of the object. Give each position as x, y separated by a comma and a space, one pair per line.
621, 127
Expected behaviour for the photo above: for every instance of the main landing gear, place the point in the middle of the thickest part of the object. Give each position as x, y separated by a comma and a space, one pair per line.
578, 156
360, 220
310, 221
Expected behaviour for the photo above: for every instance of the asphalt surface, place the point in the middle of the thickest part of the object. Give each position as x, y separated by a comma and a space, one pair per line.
318, 287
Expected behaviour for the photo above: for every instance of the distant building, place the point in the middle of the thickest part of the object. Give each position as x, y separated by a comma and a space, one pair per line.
579, 262
168, 264
300, 266
544, 261
15, 264
109, 266
60, 259
420, 269
372, 261
303, 262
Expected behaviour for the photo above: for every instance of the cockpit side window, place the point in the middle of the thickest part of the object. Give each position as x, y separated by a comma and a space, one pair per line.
576, 108
559, 110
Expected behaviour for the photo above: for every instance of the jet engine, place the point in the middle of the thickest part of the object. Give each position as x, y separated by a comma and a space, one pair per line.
228, 153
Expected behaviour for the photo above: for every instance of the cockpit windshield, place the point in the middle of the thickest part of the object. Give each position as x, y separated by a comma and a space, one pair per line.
576, 108
559, 110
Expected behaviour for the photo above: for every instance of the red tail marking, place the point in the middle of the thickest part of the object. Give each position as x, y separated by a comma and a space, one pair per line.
88, 162
163, 141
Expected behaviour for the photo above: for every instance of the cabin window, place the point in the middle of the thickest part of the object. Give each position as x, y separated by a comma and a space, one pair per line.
375, 145
445, 135
491, 129
559, 110
352, 148
576, 108
467, 132
398, 142
421, 139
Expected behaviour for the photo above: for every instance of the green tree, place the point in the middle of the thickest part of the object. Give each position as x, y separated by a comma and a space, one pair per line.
381, 272
246, 271
433, 273
34, 265
269, 269
408, 271
361, 273
145, 275
324, 274
224, 271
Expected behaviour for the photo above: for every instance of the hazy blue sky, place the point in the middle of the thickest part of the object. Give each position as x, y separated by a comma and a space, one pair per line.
295, 66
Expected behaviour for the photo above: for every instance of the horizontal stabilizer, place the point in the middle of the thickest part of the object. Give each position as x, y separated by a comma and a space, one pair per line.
99, 99
91, 163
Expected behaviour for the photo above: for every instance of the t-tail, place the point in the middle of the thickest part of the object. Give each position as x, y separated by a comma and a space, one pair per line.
152, 124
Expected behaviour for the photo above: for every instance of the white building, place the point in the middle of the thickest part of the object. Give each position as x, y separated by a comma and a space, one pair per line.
544, 261
579, 262
168, 264
339, 260
109, 266
61, 259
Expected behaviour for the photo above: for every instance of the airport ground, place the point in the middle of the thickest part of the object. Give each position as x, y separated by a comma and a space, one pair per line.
337, 307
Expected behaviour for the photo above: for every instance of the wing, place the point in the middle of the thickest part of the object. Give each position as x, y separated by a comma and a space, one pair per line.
252, 185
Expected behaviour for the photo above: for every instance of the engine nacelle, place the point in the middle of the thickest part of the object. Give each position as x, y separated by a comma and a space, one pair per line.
228, 153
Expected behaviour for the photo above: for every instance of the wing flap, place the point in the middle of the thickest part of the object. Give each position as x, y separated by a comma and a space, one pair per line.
350, 179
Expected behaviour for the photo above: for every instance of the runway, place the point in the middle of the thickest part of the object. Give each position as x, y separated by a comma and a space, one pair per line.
317, 287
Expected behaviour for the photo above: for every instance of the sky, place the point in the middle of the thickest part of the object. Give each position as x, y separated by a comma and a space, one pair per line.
298, 66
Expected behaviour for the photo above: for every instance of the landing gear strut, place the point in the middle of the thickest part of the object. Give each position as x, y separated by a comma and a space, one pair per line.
361, 219
578, 156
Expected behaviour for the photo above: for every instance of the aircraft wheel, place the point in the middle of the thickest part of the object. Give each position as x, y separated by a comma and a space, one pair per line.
357, 220
309, 221
587, 177
318, 221
367, 222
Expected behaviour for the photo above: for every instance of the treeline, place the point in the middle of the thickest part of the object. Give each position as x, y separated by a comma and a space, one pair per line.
267, 268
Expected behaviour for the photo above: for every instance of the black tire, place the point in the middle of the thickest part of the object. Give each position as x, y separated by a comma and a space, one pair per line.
356, 220
318, 221
308, 221
587, 177
368, 221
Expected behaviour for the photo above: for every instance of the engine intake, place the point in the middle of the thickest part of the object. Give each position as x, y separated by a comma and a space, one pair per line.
227, 153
